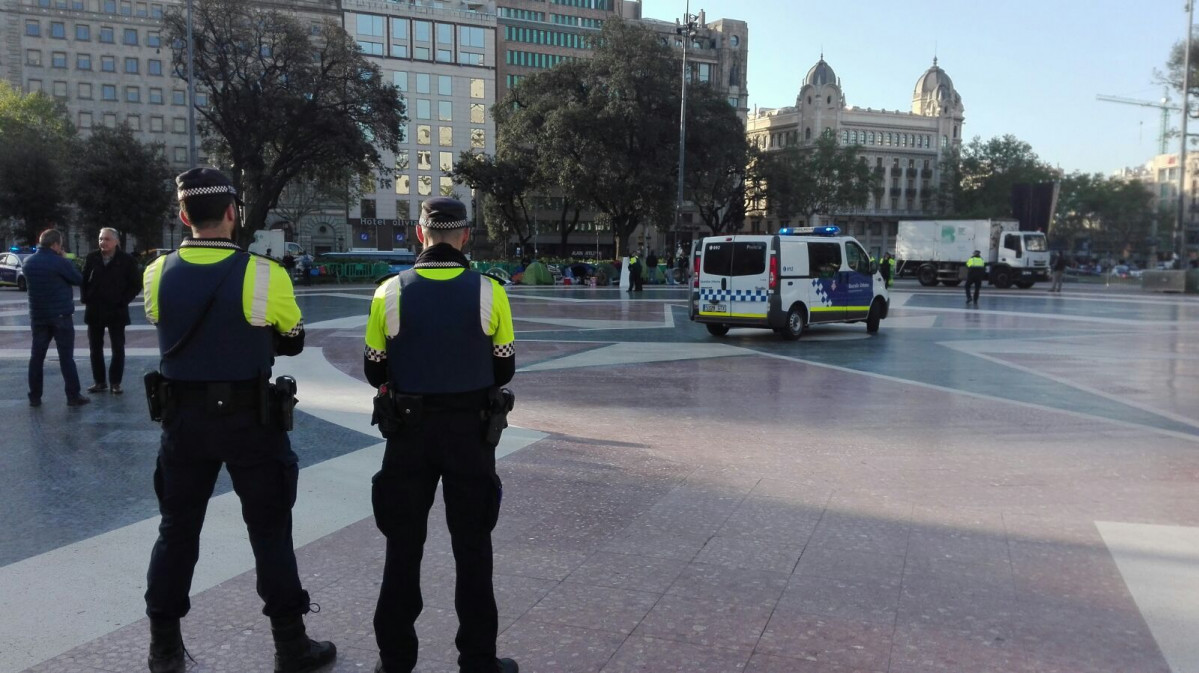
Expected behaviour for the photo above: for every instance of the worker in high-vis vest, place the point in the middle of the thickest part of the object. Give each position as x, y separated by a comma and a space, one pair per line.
976, 271
439, 345
222, 315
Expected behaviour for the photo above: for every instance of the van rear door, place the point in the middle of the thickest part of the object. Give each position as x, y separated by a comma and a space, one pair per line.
733, 278
715, 269
750, 279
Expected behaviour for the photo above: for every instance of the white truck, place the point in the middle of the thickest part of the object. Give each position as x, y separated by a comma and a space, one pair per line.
935, 251
272, 243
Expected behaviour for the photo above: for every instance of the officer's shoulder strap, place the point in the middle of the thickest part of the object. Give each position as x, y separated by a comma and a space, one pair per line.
492, 276
386, 277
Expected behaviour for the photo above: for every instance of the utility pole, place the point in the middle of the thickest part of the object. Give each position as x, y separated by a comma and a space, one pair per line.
192, 157
687, 28
1180, 247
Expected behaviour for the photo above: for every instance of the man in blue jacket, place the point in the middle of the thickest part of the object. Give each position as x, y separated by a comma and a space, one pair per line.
51, 309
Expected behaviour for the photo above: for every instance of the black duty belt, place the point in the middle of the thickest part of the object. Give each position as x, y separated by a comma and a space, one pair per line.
216, 396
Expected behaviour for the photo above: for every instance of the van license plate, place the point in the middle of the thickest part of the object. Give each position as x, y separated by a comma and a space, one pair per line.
716, 308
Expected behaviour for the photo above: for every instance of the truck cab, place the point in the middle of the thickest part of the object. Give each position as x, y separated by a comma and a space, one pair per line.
786, 282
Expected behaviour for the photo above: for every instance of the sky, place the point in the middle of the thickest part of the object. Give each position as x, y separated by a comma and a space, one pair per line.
1027, 68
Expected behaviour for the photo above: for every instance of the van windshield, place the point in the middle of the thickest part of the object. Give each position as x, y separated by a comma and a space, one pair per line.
728, 258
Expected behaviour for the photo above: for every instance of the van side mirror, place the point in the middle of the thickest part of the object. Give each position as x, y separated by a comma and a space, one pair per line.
873, 267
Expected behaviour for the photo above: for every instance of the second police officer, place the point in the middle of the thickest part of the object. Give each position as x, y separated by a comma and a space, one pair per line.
439, 343
221, 316
976, 272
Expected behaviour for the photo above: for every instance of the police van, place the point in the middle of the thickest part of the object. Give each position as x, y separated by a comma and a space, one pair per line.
786, 282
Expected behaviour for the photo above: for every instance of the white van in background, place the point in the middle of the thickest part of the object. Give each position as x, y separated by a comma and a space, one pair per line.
785, 282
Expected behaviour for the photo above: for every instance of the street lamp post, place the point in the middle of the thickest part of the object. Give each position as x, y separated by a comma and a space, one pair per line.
1180, 234
687, 28
191, 93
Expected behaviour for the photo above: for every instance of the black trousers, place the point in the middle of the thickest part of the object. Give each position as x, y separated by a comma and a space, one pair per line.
448, 446
95, 341
976, 283
264, 471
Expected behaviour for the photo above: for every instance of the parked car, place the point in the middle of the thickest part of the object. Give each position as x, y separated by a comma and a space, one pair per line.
12, 272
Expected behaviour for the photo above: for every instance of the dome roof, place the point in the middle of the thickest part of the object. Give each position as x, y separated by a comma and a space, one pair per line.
821, 74
934, 81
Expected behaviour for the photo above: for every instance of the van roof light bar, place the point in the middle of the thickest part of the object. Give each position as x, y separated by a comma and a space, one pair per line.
829, 230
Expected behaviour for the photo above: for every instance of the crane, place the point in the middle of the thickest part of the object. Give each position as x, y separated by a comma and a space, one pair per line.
1164, 105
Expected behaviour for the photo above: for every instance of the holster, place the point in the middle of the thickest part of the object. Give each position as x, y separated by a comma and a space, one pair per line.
499, 402
156, 394
281, 403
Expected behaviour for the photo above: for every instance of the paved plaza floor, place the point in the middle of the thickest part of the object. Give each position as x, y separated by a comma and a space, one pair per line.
1007, 488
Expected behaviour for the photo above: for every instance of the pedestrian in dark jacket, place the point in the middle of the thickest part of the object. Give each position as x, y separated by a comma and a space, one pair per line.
110, 281
51, 307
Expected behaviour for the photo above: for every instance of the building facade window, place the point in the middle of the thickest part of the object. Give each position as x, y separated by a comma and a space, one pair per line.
445, 111
133, 94
131, 66
108, 92
58, 30
423, 82
478, 113
84, 90
107, 35
83, 32
154, 67
422, 108
400, 79
156, 124
445, 136
156, 96
445, 86
130, 37
58, 59
85, 120
33, 29
403, 184
424, 134
369, 24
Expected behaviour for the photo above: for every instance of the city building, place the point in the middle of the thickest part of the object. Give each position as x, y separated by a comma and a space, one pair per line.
106, 61
906, 149
442, 57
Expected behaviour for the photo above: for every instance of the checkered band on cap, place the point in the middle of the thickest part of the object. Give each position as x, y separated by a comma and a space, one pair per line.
432, 224
204, 191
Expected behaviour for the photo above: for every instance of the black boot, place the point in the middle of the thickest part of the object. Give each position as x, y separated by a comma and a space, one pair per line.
506, 666
166, 646
295, 652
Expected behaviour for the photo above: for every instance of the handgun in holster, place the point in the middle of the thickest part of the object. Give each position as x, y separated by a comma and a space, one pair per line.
156, 394
282, 401
499, 402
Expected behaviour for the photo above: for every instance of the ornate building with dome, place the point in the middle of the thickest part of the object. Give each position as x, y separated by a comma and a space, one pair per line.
906, 149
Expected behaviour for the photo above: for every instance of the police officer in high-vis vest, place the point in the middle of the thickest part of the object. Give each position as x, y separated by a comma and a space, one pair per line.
222, 315
976, 271
439, 343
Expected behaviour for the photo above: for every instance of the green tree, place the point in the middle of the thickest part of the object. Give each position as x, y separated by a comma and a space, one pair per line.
37, 137
283, 100
1115, 216
605, 129
989, 170
716, 159
506, 187
825, 179
120, 182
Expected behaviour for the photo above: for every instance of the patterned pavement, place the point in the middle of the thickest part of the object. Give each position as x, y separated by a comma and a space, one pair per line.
1001, 488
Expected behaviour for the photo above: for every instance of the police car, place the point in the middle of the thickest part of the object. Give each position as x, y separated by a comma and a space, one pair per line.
12, 267
785, 282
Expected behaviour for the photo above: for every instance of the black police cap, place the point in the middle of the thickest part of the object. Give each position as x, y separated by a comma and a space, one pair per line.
204, 182
443, 213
